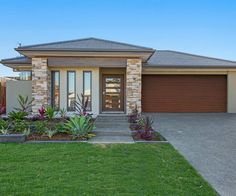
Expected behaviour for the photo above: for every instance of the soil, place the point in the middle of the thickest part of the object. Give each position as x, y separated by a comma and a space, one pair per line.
57, 137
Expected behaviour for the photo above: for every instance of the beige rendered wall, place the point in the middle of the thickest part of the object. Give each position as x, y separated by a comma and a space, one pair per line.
79, 86
15, 88
231, 92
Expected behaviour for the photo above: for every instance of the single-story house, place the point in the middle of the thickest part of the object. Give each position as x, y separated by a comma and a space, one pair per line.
117, 76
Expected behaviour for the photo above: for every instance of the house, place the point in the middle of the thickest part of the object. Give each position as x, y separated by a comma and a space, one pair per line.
117, 76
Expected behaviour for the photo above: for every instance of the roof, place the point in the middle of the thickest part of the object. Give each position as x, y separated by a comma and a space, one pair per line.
16, 60
174, 59
157, 58
87, 44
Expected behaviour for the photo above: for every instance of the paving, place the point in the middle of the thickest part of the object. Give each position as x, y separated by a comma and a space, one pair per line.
207, 141
112, 129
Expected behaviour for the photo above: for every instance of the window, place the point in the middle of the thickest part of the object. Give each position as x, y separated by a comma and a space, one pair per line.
71, 90
25, 75
55, 90
87, 88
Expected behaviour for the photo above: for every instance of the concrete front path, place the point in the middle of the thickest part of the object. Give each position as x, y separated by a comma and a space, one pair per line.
207, 141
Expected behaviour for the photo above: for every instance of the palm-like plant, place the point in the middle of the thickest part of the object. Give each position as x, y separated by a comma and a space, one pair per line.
50, 113
80, 126
82, 104
25, 104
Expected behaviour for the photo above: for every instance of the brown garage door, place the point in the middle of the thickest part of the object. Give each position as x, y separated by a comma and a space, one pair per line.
184, 93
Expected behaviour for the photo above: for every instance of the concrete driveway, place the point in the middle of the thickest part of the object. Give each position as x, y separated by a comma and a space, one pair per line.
207, 141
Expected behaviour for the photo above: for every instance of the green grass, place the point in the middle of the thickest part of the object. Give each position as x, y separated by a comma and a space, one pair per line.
84, 169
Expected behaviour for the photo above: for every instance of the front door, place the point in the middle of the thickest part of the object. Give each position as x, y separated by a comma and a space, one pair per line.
113, 92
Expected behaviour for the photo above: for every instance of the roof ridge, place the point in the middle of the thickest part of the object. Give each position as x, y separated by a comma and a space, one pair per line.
82, 39
196, 55
57, 42
123, 43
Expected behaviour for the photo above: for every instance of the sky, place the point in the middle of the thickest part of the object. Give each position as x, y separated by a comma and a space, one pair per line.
204, 27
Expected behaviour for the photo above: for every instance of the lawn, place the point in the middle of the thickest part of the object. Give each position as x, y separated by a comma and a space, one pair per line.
85, 169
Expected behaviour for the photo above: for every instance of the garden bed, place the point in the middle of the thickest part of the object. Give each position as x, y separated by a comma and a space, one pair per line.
58, 137
156, 137
141, 128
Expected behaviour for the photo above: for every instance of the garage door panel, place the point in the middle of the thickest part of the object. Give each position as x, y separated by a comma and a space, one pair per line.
184, 93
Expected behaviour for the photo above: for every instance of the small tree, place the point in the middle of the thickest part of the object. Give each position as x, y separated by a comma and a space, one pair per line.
82, 104
25, 104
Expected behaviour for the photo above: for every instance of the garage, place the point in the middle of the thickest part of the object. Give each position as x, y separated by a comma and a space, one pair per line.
184, 93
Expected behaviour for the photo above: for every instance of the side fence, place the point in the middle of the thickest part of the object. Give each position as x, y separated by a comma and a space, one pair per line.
2, 92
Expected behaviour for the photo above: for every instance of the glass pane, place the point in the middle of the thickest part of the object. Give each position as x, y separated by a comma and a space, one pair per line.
71, 91
113, 90
25, 75
112, 80
87, 88
55, 89
113, 85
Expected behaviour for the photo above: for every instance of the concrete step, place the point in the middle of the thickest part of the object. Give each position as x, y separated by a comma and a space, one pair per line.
111, 125
108, 132
111, 140
112, 118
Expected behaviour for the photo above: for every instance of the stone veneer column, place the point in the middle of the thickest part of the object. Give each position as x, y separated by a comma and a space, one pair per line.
40, 83
133, 84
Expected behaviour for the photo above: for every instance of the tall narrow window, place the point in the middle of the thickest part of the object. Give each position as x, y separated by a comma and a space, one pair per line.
71, 90
87, 77
55, 89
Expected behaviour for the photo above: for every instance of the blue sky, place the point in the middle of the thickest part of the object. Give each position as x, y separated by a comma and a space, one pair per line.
205, 27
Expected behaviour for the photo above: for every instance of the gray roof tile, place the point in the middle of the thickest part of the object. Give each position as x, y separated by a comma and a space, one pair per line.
87, 44
167, 58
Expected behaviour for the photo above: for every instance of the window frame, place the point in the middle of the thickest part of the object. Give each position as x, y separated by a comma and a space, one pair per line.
84, 72
53, 89
67, 92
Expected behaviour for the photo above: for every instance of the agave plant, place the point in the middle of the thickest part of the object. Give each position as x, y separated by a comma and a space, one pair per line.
82, 104
80, 126
25, 104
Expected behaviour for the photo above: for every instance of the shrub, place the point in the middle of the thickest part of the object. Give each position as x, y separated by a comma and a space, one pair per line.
27, 132
134, 115
50, 113
80, 126
3, 124
19, 126
63, 113
60, 127
25, 104
17, 115
42, 112
145, 122
51, 133
146, 132
4, 131
40, 127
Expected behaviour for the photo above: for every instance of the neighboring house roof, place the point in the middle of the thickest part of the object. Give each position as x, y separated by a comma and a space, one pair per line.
87, 44
16, 60
174, 59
